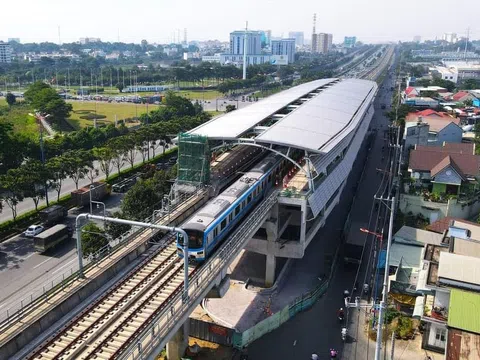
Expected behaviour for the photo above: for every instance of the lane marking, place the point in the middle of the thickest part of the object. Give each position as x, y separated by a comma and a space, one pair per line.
60, 268
43, 262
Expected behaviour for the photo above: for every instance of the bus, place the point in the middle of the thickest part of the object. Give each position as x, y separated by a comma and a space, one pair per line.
51, 237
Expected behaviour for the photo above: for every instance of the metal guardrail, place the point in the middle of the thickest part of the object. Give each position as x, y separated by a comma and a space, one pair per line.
176, 307
45, 291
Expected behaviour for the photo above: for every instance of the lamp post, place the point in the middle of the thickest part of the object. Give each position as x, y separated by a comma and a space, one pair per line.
377, 235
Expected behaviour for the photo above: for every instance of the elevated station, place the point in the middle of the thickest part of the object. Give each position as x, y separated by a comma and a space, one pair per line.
318, 127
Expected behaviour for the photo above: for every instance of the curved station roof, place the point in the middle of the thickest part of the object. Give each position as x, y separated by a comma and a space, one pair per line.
313, 116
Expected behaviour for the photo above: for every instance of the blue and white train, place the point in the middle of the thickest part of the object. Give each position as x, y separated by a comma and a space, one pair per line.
212, 223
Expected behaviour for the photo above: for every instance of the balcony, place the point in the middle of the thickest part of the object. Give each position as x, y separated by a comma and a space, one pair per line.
436, 307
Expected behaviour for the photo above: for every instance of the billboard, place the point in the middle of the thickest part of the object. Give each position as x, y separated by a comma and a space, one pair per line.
279, 59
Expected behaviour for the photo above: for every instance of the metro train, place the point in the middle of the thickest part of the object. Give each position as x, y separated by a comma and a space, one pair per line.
212, 223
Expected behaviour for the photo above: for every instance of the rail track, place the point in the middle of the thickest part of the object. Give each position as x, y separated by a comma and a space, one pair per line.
109, 324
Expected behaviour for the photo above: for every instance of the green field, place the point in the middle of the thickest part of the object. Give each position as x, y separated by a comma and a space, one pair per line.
200, 95
105, 111
3, 102
21, 121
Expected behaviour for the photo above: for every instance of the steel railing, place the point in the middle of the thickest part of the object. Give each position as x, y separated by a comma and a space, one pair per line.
176, 306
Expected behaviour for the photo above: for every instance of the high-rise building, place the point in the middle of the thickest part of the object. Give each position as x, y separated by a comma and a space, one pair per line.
5, 53
417, 39
298, 36
349, 41
17, 40
450, 37
284, 47
254, 42
87, 40
314, 43
324, 42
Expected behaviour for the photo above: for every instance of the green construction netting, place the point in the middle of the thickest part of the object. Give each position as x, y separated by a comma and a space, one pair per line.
193, 159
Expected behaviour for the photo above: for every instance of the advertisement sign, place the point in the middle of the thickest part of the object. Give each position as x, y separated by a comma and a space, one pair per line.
279, 60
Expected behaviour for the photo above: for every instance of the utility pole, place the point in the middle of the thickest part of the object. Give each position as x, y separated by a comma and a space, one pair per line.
383, 303
466, 44
245, 52
393, 345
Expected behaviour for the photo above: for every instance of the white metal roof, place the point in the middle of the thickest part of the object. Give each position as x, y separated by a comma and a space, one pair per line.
320, 123
317, 125
235, 123
459, 267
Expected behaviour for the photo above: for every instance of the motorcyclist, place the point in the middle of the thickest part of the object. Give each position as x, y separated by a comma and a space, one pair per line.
341, 313
333, 353
314, 356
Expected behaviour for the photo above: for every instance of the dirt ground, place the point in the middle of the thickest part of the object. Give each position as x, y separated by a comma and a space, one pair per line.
209, 351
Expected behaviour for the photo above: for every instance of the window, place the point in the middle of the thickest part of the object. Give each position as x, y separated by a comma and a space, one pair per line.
237, 210
270, 178
223, 224
215, 232
249, 198
230, 217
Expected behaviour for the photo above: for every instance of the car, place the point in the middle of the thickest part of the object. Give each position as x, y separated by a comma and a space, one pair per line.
34, 230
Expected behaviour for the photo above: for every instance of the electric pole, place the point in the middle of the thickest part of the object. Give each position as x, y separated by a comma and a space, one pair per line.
245, 52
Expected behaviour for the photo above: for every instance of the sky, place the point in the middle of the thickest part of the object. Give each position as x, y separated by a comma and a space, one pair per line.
372, 21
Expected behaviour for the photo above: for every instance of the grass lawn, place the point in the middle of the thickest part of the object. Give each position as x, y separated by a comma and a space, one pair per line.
3, 102
199, 95
105, 110
21, 121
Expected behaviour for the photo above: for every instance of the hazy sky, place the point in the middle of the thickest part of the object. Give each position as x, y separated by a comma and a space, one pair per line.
158, 20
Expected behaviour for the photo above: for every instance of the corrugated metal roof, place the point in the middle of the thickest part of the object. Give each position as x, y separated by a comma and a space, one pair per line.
322, 122
414, 236
408, 255
463, 310
232, 125
459, 268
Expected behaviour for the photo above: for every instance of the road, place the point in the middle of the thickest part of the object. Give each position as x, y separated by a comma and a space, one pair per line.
24, 273
318, 329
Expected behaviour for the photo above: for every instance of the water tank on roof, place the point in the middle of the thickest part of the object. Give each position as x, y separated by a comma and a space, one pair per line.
467, 128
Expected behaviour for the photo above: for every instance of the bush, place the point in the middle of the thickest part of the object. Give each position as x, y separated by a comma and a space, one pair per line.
91, 116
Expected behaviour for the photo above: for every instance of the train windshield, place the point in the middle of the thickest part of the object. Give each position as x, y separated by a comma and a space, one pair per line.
195, 239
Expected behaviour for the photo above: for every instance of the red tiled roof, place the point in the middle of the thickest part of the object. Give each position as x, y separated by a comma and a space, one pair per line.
447, 161
451, 148
443, 224
459, 95
429, 114
428, 158
409, 89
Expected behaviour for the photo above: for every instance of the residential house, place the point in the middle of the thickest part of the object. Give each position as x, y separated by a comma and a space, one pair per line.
443, 181
449, 281
405, 265
441, 128
442, 225
462, 96
421, 102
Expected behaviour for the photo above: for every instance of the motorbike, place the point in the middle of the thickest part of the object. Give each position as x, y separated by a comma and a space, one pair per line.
333, 354
344, 334
341, 317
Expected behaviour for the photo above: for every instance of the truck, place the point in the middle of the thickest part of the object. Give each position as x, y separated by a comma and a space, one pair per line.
81, 197
51, 237
53, 214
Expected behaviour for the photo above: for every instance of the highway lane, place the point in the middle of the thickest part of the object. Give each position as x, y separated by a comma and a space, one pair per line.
318, 329
24, 272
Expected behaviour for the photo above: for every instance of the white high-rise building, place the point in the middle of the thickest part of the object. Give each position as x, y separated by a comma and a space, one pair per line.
254, 42
5, 53
298, 36
450, 37
324, 42
284, 47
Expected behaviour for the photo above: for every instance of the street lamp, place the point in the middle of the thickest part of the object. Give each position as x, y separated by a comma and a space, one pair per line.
98, 205
377, 235
92, 187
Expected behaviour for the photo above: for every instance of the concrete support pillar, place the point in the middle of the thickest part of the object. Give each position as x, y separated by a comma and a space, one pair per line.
270, 270
178, 343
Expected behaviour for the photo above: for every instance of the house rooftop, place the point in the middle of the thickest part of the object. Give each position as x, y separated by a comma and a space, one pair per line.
454, 269
441, 225
428, 158
463, 304
412, 236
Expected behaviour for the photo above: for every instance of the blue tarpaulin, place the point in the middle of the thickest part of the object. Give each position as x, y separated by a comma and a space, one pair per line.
381, 259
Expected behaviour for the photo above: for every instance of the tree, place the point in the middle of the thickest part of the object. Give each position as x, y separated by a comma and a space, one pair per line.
33, 175
58, 171
468, 102
93, 239
115, 230
131, 143
447, 84
11, 99
140, 200
104, 156
230, 108
77, 163
117, 146
11, 186
119, 86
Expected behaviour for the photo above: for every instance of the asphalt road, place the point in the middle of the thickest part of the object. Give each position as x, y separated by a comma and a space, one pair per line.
318, 329
24, 273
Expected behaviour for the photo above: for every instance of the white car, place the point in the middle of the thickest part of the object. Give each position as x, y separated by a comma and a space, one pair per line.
34, 230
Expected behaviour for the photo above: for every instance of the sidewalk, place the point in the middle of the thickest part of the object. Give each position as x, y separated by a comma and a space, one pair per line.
359, 346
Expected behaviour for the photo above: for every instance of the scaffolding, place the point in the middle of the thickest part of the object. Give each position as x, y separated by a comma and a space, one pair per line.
193, 159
